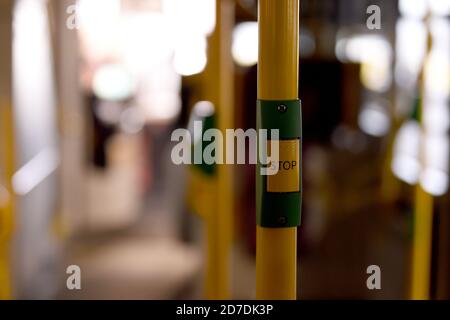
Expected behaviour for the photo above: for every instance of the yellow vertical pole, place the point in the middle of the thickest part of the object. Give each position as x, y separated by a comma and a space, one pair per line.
219, 90
6, 146
422, 245
423, 213
276, 251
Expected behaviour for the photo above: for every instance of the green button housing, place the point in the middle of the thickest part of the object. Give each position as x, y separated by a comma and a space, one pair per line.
278, 209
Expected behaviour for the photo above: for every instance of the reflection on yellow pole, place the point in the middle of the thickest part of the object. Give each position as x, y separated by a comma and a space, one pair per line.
6, 148
219, 90
276, 253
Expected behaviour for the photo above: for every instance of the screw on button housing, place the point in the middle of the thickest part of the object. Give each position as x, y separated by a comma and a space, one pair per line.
282, 108
282, 220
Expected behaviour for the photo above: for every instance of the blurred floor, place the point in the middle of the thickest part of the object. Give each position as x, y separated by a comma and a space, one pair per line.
132, 267
144, 259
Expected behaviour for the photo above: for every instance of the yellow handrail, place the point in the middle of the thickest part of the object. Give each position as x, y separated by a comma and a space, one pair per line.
423, 210
6, 146
276, 251
219, 90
